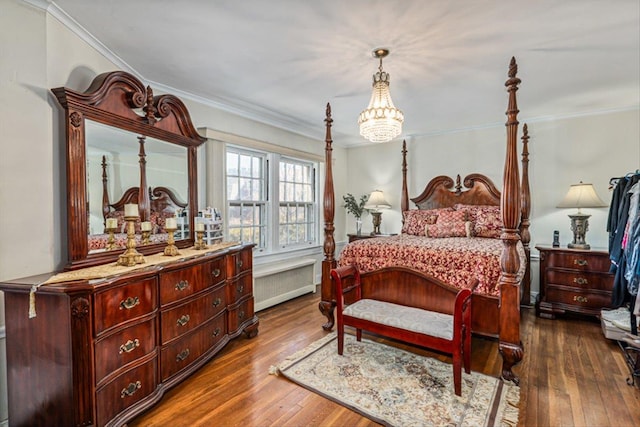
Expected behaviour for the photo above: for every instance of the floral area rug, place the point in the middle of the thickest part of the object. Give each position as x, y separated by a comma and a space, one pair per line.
397, 388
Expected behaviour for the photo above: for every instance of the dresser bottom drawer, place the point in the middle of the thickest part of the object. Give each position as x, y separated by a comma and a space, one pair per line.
239, 314
126, 390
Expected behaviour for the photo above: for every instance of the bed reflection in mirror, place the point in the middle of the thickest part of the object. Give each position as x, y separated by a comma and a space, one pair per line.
119, 163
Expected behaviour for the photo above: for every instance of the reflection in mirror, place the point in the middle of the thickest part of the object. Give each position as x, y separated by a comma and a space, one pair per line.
118, 163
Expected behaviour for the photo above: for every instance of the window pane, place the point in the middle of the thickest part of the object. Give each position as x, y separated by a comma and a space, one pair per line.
232, 164
256, 169
245, 166
256, 193
232, 188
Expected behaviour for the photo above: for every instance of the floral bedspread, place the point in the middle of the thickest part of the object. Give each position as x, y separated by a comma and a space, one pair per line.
454, 260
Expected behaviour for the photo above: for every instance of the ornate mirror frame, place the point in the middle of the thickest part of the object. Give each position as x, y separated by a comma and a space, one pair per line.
120, 100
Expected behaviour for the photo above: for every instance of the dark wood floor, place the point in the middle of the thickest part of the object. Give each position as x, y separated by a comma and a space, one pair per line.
571, 376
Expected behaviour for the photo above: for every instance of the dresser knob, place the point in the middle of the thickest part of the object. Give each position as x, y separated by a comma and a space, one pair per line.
182, 285
580, 298
129, 303
183, 320
580, 281
581, 262
216, 272
130, 389
216, 332
129, 346
182, 355
217, 302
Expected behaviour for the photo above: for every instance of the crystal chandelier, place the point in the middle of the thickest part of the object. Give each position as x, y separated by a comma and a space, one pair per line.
381, 121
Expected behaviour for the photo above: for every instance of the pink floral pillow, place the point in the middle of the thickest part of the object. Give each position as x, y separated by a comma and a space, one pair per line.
488, 224
452, 229
416, 219
473, 211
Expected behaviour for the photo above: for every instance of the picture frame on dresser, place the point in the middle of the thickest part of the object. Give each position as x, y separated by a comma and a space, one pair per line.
97, 344
573, 281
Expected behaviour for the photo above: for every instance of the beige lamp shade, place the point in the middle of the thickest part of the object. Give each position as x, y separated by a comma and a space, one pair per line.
581, 196
377, 201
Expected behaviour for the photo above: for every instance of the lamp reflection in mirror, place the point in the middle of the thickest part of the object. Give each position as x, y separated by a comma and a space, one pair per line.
375, 203
580, 196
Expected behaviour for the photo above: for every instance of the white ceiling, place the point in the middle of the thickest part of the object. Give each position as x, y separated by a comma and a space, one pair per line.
281, 61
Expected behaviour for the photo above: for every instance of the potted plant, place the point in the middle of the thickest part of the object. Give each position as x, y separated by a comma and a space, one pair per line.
355, 208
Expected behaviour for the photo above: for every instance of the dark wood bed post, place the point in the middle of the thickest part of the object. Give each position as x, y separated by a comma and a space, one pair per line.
327, 303
525, 236
105, 192
404, 202
510, 345
143, 193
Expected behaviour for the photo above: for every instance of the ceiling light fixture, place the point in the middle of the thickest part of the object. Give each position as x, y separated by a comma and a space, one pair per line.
381, 121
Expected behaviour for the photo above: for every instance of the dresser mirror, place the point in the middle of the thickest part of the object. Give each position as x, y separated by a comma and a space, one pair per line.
126, 146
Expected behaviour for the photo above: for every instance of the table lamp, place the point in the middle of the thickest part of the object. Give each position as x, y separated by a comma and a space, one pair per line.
580, 196
375, 203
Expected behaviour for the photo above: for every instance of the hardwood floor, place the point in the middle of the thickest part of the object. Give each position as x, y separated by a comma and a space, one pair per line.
571, 375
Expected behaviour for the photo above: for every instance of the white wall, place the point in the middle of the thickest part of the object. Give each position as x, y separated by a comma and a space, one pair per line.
40, 53
562, 152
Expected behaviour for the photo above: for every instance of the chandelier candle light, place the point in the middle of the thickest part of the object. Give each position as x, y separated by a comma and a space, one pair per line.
381, 121
580, 196
374, 204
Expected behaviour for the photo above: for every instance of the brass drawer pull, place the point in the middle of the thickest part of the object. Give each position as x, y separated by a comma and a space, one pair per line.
241, 314
580, 298
183, 320
130, 389
581, 262
217, 302
182, 285
129, 346
216, 272
182, 355
580, 281
216, 332
240, 288
129, 303
239, 263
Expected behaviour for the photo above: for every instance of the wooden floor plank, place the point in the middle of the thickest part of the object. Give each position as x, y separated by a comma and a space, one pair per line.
570, 375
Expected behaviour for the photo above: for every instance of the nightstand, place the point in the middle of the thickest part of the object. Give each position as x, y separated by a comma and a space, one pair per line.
354, 237
573, 280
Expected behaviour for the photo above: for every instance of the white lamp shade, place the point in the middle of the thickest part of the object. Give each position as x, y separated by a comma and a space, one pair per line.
377, 201
581, 196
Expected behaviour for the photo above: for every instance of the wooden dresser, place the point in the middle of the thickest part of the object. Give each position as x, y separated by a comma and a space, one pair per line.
100, 352
573, 280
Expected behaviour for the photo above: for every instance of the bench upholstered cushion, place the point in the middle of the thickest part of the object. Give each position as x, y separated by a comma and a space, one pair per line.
403, 317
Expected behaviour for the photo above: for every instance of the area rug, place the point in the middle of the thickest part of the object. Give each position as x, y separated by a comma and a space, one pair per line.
397, 388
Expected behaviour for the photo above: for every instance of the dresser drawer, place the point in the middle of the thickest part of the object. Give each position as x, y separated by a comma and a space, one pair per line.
579, 298
240, 288
239, 262
215, 271
126, 390
578, 261
182, 283
239, 314
188, 316
577, 279
123, 347
181, 353
117, 305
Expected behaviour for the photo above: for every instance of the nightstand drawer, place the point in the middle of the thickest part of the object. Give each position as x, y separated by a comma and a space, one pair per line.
578, 261
577, 279
574, 298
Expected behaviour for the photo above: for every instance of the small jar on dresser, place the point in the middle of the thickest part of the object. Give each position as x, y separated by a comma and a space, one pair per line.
573, 280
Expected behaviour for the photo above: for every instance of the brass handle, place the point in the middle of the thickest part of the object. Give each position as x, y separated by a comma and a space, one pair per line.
216, 272
183, 320
217, 302
580, 298
582, 262
239, 263
182, 355
129, 303
182, 285
129, 346
240, 288
216, 332
130, 389
241, 314
580, 281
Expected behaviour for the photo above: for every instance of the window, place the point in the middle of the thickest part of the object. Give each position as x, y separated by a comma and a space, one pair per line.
274, 207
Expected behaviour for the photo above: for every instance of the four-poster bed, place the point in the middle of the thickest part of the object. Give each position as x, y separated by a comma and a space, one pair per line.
496, 308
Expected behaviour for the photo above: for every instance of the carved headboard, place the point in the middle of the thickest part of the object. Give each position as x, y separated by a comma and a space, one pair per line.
440, 192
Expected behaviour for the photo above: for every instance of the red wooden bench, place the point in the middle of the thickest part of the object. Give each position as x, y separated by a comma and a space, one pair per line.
442, 322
